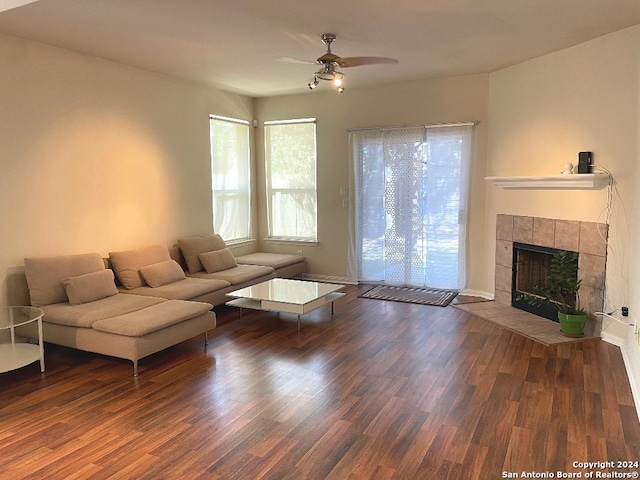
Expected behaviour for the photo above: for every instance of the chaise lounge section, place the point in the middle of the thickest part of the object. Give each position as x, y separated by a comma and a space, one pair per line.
83, 309
285, 265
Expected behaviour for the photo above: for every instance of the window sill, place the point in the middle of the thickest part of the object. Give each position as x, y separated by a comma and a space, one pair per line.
291, 241
240, 243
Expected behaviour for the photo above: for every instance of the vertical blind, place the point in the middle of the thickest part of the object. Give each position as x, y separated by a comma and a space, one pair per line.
410, 192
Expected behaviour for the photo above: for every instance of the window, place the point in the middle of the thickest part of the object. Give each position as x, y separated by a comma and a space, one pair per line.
290, 163
230, 178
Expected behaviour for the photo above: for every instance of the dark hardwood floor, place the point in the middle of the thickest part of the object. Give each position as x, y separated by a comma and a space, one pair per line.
383, 390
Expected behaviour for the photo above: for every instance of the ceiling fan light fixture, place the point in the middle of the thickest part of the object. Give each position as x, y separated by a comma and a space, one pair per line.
330, 74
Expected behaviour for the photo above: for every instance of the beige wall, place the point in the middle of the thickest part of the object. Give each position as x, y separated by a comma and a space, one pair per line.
96, 156
542, 113
420, 102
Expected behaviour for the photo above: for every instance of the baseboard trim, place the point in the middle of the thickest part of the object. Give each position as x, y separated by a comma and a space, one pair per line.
328, 279
477, 293
631, 357
612, 339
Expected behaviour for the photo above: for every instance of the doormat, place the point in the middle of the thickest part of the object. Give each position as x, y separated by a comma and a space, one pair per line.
423, 296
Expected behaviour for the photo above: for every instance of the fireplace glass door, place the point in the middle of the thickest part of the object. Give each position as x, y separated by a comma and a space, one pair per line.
531, 268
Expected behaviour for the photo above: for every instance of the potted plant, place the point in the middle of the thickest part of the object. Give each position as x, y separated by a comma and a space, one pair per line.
561, 293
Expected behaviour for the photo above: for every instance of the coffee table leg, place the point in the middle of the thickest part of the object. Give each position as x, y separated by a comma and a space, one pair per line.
298, 323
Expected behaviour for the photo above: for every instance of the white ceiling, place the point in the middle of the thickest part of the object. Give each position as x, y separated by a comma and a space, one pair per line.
239, 45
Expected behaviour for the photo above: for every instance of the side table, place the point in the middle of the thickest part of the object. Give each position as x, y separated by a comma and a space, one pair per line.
15, 355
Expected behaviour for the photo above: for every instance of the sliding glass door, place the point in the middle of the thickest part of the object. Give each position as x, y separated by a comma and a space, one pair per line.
409, 224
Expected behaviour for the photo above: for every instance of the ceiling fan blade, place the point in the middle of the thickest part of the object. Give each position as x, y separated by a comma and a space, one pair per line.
296, 60
358, 61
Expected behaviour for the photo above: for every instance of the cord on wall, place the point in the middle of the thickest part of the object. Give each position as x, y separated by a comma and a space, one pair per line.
610, 315
608, 208
611, 189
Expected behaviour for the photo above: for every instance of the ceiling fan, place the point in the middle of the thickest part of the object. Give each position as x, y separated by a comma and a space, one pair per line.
330, 62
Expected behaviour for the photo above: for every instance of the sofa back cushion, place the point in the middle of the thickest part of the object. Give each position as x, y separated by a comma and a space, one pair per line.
45, 275
127, 263
191, 247
90, 287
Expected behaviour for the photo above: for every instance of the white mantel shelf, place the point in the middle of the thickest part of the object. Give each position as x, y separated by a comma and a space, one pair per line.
584, 181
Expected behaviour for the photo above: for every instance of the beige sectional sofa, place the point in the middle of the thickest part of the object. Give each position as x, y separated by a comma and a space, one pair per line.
83, 309
148, 299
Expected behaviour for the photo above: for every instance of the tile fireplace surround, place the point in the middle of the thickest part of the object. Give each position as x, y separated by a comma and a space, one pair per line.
586, 238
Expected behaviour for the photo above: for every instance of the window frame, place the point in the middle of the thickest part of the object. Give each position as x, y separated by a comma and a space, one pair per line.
244, 192
272, 236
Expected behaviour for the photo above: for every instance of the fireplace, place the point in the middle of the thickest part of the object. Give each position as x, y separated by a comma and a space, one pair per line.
589, 239
531, 267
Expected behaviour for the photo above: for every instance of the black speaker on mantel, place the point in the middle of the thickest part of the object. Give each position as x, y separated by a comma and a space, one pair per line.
584, 162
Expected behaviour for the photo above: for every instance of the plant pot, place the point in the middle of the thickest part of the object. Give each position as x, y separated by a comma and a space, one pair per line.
572, 325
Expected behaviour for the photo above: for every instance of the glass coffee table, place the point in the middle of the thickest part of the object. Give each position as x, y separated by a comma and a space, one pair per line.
284, 295
15, 355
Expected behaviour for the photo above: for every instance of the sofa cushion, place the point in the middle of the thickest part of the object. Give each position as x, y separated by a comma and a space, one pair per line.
45, 275
151, 319
162, 273
191, 247
274, 260
239, 274
90, 287
183, 290
217, 260
127, 263
85, 314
